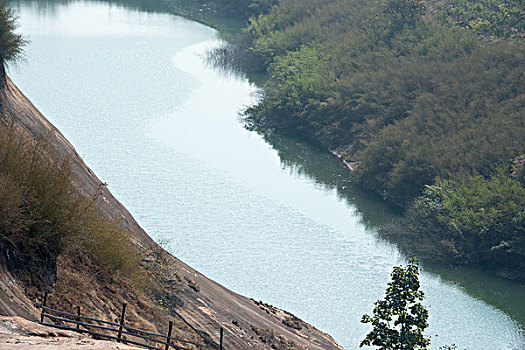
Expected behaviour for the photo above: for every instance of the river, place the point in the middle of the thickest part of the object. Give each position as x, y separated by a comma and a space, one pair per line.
267, 216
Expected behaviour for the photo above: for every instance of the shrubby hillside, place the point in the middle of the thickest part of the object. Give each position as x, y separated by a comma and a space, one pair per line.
416, 93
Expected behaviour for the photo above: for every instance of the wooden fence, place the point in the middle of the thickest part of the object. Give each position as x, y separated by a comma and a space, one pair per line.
122, 333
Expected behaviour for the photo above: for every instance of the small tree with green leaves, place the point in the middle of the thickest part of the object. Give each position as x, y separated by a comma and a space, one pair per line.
11, 43
399, 319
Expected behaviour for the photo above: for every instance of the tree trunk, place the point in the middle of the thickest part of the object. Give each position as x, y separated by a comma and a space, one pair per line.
3, 76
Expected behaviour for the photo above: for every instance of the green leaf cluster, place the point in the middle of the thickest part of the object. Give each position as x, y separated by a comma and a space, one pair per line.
399, 320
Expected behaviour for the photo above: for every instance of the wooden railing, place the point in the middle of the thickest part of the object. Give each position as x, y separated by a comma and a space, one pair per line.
121, 332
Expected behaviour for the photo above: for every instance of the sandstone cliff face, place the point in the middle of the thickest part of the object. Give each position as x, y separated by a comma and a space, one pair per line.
247, 324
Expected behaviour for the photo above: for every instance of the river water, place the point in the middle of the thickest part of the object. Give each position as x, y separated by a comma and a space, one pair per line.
267, 216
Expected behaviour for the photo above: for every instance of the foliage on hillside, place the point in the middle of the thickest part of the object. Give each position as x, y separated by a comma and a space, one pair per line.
417, 100
470, 120
489, 18
476, 219
42, 216
412, 100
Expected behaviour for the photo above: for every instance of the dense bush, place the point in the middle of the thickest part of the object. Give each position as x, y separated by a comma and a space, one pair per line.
489, 18
467, 117
473, 220
42, 216
415, 100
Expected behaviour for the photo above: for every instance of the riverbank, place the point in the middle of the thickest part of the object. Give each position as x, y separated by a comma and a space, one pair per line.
372, 84
206, 304
343, 154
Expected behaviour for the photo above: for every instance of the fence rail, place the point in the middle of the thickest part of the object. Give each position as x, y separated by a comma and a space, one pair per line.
76, 321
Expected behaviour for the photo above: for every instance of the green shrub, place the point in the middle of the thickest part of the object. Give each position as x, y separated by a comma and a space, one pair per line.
109, 246
473, 219
37, 202
489, 18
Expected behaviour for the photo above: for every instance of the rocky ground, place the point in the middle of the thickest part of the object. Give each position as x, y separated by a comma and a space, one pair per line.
19, 333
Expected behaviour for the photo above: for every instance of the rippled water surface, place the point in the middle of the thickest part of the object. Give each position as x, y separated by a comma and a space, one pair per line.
269, 217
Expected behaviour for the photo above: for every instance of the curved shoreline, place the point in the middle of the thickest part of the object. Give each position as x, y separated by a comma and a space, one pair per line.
212, 306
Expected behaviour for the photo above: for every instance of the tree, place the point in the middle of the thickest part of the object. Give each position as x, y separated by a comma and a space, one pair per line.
402, 307
11, 43
404, 13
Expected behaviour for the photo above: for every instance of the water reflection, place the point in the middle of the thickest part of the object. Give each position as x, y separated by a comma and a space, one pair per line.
501, 293
315, 163
301, 158
49, 7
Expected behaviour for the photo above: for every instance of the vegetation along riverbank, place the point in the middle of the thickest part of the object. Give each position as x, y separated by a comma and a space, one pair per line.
425, 99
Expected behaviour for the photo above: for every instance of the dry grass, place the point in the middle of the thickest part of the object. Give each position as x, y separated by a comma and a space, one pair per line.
42, 216
58, 241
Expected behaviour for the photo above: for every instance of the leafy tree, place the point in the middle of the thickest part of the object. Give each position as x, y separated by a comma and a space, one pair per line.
404, 12
11, 43
402, 307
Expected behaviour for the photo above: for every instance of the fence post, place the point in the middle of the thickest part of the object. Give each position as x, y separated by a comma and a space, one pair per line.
43, 304
78, 319
121, 321
222, 336
193, 328
168, 338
